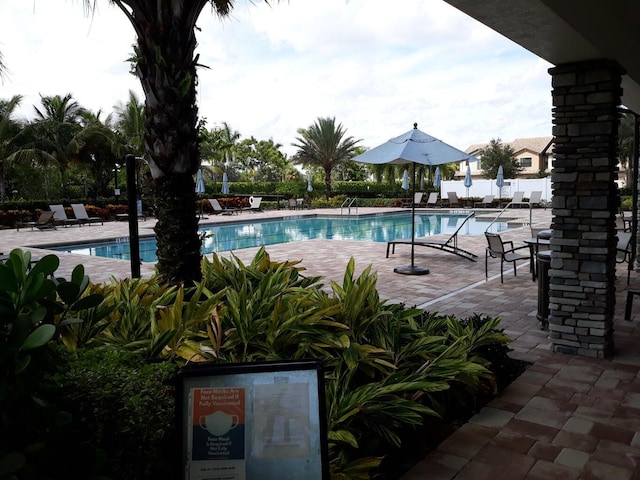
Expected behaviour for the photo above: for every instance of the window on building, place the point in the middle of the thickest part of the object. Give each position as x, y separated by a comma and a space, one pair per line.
526, 162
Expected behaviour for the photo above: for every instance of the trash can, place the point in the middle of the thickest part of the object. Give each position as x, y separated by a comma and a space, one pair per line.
543, 262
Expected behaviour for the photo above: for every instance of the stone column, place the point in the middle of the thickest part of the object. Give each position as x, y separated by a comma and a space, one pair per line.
585, 203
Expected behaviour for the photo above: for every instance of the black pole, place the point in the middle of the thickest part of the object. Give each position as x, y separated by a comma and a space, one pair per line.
634, 196
132, 203
412, 269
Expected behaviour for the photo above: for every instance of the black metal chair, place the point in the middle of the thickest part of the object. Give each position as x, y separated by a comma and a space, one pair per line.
504, 251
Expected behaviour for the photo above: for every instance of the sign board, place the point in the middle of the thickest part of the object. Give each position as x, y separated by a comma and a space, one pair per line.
252, 420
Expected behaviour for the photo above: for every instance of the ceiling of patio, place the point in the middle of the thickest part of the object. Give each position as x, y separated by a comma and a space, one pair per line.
569, 31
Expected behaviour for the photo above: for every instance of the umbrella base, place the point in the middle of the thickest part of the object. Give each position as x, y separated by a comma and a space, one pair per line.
411, 270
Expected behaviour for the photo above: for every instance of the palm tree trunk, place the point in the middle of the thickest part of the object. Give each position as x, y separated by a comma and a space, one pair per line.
166, 66
177, 229
327, 183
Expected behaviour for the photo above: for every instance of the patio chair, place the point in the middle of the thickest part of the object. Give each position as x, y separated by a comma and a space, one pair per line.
626, 220
623, 248
60, 216
505, 251
82, 216
432, 201
449, 245
301, 203
45, 221
220, 210
486, 201
254, 204
293, 204
452, 198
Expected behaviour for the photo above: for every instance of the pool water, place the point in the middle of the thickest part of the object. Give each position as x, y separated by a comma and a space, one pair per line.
235, 236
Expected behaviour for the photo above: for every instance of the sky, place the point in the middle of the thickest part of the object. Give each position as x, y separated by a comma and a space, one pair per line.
275, 69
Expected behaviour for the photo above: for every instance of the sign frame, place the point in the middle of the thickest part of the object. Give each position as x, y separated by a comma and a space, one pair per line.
264, 420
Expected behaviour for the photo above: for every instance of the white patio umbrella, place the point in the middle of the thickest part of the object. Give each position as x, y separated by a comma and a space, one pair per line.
438, 178
225, 183
467, 180
199, 182
200, 188
500, 181
413, 147
405, 180
309, 184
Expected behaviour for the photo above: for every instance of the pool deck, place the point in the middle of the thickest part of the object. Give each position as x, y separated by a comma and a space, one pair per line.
566, 417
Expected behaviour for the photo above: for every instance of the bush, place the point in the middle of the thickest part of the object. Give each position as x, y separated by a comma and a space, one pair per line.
124, 406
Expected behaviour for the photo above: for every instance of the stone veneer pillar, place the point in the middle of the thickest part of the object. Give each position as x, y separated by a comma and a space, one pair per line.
585, 202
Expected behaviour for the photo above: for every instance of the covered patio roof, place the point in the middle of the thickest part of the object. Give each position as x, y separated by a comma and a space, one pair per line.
569, 31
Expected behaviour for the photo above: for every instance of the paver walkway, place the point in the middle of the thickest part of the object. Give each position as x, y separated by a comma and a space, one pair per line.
566, 417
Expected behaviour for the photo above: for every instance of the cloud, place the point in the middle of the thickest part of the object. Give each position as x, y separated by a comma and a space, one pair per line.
376, 67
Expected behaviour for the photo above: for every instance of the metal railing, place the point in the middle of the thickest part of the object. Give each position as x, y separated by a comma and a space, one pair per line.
506, 207
348, 203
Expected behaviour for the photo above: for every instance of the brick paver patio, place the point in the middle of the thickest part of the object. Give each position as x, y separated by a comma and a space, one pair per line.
566, 417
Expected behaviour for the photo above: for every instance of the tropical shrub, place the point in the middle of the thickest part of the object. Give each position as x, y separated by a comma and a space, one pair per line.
34, 306
388, 368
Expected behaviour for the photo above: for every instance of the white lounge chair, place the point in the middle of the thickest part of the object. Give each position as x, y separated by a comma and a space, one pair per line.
82, 216
432, 201
486, 201
254, 204
535, 198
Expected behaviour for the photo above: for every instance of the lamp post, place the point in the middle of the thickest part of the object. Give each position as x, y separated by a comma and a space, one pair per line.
132, 204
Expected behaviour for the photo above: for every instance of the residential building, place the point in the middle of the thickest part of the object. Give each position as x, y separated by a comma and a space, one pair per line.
534, 155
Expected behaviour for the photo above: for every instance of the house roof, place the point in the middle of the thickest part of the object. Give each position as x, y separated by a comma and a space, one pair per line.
533, 144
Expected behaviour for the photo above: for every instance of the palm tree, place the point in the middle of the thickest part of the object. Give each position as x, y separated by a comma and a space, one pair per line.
165, 63
3, 68
129, 122
324, 145
9, 130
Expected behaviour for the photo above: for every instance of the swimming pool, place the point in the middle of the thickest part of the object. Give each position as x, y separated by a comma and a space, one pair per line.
236, 235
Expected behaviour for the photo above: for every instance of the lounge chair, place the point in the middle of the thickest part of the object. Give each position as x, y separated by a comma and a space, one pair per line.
220, 210
82, 216
517, 199
60, 216
505, 251
449, 245
432, 201
417, 199
486, 201
44, 222
535, 198
452, 199
254, 204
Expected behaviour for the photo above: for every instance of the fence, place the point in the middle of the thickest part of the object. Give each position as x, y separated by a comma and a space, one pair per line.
480, 188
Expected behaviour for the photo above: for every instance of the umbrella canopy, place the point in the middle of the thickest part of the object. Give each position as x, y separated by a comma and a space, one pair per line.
500, 181
413, 147
199, 182
405, 180
467, 179
438, 178
309, 184
225, 183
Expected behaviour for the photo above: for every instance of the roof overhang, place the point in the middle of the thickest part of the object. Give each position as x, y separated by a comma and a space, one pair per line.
569, 31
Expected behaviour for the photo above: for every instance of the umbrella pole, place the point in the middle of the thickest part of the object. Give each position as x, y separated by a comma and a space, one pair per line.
412, 269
